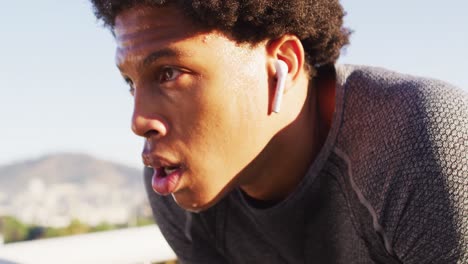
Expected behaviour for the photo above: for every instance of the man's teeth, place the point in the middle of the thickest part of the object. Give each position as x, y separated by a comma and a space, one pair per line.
169, 170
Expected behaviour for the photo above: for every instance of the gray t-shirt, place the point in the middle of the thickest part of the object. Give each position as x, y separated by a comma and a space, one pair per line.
390, 185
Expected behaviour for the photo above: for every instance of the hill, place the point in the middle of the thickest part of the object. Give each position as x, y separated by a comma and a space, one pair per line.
57, 188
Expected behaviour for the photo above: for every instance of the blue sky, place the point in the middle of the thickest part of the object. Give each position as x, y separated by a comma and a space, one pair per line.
61, 91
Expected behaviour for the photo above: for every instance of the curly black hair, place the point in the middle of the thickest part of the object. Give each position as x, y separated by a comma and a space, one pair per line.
317, 23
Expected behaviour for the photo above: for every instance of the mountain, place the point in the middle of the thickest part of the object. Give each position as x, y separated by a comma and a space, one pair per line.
60, 187
67, 168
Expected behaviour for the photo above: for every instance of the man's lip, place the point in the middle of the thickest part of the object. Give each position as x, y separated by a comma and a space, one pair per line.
166, 184
155, 161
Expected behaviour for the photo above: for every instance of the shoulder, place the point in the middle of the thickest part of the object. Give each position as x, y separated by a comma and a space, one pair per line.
384, 88
407, 142
400, 110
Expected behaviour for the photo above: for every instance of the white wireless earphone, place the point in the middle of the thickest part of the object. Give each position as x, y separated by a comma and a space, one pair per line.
281, 73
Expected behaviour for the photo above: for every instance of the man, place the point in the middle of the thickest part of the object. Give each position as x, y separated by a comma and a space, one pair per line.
263, 151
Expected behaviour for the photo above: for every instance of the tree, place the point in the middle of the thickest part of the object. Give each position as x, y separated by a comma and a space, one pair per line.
77, 227
13, 230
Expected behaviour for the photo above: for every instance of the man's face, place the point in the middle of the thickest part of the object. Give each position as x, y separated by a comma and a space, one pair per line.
200, 99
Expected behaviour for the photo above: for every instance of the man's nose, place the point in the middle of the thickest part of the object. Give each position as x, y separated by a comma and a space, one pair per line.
146, 121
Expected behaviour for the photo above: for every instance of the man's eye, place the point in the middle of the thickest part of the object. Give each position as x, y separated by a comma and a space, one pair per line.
168, 74
130, 84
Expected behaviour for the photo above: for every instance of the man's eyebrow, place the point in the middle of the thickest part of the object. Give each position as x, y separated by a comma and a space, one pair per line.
159, 54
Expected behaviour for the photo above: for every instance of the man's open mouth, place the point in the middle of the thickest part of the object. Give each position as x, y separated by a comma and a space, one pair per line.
169, 170
166, 179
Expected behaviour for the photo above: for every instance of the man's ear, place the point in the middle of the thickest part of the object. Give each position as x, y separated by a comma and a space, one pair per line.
287, 52
289, 49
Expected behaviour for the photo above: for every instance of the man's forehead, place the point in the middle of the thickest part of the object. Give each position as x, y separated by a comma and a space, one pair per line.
141, 21
144, 30
156, 14
143, 27
145, 45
